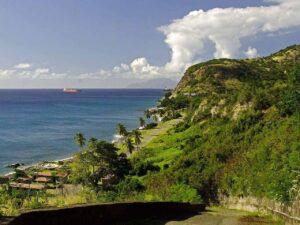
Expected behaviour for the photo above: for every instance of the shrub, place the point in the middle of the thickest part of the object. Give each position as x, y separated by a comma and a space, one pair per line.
184, 193
150, 126
141, 168
262, 101
182, 127
129, 185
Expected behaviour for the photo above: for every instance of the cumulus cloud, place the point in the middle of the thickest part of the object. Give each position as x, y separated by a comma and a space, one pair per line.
225, 28
23, 66
251, 53
26, 73
191, 38
141, 66
6, 73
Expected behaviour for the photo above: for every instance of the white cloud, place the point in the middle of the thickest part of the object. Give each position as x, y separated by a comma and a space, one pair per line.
23, 66
190, 38
40, 71
6, 73
140, 66
251, 53
225, 28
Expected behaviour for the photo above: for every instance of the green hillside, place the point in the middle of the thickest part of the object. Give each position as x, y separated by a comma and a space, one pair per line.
241, 132
230, 127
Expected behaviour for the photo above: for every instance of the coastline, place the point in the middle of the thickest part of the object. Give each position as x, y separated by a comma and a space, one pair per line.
37, 164
94, 115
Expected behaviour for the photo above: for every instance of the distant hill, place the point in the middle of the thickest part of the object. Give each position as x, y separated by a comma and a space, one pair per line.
159, 83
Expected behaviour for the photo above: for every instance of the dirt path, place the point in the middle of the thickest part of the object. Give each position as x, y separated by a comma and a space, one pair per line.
162, 128
217, 217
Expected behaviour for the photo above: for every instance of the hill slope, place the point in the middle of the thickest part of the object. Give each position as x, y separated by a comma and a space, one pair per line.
241, 132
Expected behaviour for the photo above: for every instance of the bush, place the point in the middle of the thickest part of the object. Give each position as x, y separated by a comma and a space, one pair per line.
289, 102
178, 102
262, 101
141, 168
150, 126
129, 185
184, 193
182, 127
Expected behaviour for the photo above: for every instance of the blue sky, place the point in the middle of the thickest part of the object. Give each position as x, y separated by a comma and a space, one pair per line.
86, 39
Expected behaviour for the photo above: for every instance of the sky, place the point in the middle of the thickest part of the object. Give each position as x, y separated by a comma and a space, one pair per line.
114, 43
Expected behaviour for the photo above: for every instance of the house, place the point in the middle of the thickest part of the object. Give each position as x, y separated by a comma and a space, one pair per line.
43, 180
22, 186
50, 174
24, 180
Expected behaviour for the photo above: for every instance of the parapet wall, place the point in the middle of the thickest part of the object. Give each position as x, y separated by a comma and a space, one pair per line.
290, 213
105, 214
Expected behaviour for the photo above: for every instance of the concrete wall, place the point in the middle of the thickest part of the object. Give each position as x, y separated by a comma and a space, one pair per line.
290, 213
105, 214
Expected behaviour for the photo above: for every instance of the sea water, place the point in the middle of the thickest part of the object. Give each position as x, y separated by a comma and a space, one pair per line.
38, 125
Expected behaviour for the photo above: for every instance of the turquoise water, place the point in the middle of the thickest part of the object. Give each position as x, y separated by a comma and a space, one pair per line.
37, 125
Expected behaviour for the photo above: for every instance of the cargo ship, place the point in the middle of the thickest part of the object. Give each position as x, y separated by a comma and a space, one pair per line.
70, 90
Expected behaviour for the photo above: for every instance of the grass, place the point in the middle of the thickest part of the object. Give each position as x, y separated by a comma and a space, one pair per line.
165, 147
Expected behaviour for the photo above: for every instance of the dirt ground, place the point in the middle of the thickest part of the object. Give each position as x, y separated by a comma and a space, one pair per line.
213, 217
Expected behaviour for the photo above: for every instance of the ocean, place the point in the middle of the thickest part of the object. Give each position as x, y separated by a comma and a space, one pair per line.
38, 125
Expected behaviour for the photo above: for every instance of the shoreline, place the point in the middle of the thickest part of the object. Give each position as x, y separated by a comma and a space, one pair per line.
37, 164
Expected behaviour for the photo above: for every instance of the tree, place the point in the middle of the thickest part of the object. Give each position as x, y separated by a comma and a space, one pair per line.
98, 160
79, 139
129, 145
147, 114
142, 122
137, 137
92, 141
290, 98
121, 130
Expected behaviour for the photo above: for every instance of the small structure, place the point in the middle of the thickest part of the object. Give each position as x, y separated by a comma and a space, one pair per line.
50, 174
37, 187
108, 180
42, 180
141, 128
24, 179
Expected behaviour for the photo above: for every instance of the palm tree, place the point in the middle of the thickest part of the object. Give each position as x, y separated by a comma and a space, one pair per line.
129, 145
92, 143
142, 122
79, 139
147, 114
121, 129
137, 137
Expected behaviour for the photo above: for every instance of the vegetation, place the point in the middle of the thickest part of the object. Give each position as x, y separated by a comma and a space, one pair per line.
97, 161
137, 137
239, 136
121, 130
79, 139
241, 133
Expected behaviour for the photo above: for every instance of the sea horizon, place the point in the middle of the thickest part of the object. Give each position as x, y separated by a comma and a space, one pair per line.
39, 124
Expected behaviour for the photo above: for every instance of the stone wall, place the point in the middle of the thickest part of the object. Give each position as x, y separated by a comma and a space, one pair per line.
106, 214
290, 213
